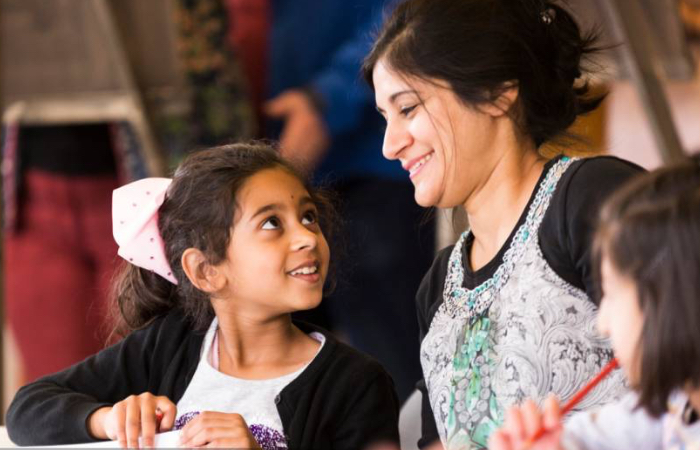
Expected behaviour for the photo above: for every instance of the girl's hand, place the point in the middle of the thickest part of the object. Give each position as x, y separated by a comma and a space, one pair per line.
523, 422
136, 415
217, 430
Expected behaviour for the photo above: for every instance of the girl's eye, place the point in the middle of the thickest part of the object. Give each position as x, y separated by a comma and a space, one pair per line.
309, 218
406, 110
272, 223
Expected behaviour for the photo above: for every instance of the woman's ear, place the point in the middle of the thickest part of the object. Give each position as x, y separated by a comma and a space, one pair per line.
201, 274
503, 102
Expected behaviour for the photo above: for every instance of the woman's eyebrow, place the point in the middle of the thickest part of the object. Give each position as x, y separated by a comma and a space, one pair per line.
396, 95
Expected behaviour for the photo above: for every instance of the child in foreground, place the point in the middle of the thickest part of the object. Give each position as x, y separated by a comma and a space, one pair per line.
649, 248
219, 257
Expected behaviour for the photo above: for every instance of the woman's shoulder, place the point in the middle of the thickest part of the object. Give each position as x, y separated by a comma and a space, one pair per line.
567, 228
608, 169
586, 184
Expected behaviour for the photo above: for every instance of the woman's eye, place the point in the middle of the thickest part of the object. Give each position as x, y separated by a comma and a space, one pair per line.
406, 110
272, 223
309, 218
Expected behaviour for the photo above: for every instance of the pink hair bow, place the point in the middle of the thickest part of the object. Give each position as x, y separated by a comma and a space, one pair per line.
135, 224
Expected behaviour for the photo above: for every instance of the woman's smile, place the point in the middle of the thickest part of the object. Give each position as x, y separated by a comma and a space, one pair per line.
415, 165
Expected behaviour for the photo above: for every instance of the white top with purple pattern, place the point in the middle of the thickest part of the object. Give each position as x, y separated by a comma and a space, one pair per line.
211, 390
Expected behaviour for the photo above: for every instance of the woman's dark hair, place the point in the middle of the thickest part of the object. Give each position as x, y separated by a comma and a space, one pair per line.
650, 232
198, 212
483, 47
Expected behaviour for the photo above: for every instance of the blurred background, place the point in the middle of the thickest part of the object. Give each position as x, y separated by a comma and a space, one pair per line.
96, 93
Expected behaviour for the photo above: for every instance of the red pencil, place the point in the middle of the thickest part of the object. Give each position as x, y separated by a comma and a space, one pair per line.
612, 365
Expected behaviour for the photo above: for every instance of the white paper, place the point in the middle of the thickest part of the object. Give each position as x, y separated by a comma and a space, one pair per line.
170, 439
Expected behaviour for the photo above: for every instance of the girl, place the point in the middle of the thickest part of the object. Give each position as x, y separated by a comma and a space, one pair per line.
212, 348
471, 90
649, 242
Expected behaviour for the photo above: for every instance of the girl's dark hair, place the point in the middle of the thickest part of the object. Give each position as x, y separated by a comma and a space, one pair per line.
650, 231
483, 47
198, 212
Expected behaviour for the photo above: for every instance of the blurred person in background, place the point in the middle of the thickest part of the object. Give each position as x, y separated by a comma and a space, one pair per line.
58, 258
58, 180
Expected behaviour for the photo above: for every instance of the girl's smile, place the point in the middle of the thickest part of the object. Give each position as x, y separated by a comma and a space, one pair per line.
307, 272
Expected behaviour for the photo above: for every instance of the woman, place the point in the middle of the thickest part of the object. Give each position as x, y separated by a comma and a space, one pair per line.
470, 90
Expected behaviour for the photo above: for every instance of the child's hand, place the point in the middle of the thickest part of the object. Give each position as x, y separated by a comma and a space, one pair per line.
523, 422
218, 430
144, 415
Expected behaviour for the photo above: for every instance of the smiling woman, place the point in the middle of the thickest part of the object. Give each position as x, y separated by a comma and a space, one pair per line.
219, 258
422, 115
470, 90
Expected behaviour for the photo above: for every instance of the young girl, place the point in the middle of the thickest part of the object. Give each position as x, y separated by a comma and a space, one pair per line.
212, 348
649, 243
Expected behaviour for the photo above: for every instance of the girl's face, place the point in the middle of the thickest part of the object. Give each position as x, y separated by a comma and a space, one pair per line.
620, 317
442, 143
277, 257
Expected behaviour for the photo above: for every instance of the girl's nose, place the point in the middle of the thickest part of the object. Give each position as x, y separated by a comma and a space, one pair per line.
396, 138
304, 238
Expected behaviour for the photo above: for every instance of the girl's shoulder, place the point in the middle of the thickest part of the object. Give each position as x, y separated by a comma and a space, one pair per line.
343, 390
343, 376
346, 379
337, 356
615, 426
174, 323
167, 334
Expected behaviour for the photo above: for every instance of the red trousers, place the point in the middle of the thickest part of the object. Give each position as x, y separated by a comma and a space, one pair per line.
58, 266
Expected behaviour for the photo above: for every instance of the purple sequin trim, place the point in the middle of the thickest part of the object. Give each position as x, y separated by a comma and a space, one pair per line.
184, 419
268, 438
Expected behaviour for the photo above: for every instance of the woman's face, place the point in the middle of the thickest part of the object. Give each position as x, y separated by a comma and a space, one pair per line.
443, 144
620, 318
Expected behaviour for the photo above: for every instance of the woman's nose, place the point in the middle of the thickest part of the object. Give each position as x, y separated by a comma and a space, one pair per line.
396, 138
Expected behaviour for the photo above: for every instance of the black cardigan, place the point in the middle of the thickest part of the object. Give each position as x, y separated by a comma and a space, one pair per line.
343, 400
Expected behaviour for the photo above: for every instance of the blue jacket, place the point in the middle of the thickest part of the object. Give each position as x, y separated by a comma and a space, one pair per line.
320, 44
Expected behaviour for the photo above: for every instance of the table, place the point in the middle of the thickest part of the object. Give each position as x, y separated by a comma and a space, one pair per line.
5, 439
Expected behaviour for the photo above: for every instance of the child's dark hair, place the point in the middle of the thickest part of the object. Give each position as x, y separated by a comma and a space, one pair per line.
650, 231
483, 47
198, 212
